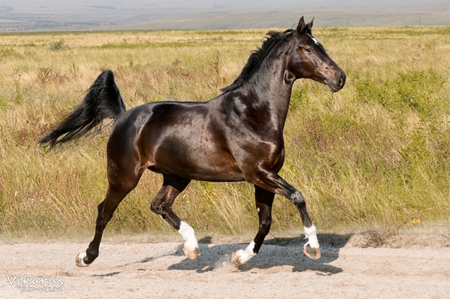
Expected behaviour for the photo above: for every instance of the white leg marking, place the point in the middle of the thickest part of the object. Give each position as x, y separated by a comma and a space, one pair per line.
190, 244
311, 235
240, 257
79, 260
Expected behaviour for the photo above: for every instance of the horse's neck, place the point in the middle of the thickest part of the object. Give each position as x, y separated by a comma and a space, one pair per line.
270, 86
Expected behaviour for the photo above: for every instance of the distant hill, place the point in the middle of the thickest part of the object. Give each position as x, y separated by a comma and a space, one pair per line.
25, 15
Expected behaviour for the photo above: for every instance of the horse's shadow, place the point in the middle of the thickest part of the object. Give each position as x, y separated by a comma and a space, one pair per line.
274, 253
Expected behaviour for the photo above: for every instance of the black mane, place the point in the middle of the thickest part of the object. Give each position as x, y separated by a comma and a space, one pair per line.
256, 58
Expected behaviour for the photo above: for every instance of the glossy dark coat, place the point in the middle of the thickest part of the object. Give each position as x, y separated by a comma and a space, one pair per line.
237, 136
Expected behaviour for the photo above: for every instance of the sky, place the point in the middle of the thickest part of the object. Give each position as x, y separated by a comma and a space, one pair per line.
217, 5
218, 14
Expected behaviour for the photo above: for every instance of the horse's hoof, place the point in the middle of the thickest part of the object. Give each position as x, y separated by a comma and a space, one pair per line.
236, 260
312, 253
191, 254
79, 260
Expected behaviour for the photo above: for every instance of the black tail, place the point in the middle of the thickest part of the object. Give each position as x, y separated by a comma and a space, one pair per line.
103, 100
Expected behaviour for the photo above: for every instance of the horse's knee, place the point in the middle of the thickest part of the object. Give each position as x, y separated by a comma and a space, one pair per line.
100, 207
157, 208
297, 199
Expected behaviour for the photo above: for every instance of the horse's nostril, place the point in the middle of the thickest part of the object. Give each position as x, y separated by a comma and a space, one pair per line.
341, 81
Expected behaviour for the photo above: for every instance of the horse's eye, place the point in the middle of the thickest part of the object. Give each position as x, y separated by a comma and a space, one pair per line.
309, 50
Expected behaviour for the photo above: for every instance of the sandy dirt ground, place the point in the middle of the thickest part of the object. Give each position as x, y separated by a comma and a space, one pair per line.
281, 270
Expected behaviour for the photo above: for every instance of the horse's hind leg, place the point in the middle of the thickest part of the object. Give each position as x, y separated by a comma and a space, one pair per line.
105, 212
162, 205
264, 201
120, 184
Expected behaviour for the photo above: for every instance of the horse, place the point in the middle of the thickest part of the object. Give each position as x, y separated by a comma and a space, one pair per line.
236, 136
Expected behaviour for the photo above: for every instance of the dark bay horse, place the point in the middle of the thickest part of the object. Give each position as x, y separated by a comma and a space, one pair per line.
237, 136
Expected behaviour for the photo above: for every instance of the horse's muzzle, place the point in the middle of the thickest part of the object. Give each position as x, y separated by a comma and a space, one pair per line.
338, 83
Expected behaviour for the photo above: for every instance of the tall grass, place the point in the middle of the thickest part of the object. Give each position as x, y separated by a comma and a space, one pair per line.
376, 154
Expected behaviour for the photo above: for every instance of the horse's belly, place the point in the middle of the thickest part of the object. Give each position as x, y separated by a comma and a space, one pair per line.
200, 167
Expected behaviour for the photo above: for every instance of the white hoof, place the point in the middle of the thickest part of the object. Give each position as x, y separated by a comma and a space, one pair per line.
312, 247
241, 257
312, 253
190, 248
190, 253
237, 258
79, 260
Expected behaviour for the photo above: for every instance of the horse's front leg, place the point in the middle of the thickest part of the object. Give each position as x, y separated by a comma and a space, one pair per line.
264, 200
311, 247
273, 183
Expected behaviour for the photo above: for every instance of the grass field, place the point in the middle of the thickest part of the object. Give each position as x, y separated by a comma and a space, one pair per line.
375, 155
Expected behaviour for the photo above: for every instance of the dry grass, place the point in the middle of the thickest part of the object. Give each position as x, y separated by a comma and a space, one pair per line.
376, 154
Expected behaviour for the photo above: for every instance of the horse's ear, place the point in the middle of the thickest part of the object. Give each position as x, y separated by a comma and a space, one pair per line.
310, 25
301, 25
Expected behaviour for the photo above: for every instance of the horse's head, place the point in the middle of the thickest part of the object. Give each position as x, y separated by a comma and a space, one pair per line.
310, 60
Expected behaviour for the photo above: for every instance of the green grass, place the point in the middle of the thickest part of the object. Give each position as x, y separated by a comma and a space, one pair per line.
374, 155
